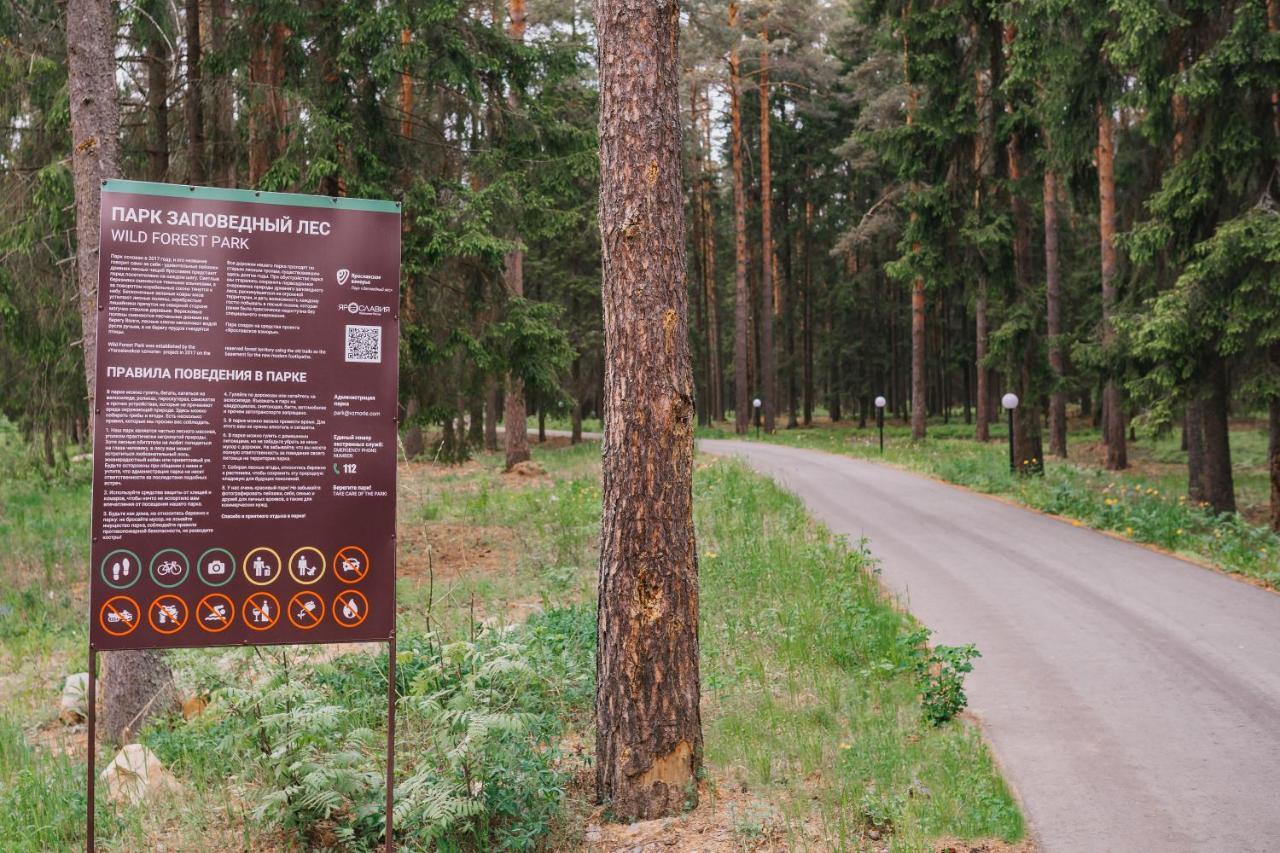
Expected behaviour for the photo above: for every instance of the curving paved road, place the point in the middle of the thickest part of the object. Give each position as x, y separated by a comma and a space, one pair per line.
1132, 699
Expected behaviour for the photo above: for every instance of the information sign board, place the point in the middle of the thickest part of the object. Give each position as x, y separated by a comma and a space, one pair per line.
245, 419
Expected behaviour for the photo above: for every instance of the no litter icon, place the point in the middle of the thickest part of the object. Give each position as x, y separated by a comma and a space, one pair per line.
168, 614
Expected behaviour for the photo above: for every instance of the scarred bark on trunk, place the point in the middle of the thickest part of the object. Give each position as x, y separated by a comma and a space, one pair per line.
741, 296
648, 729
1113, 403
1057, 355
768, 355
135, 685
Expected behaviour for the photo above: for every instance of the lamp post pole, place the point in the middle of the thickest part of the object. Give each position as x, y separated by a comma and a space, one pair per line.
1010, 402
880, 404
756, 404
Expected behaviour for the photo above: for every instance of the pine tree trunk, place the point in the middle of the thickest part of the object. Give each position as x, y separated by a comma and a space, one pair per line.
135, 685
807, 313
515, 418
195, 97
1273, 460
1028, 453
712, 290
267, 130
157, 107
406, 88
1113, 404
1218, 482
648, 728
984, 166
1194, 429
919, 406
741, 296
493, 404
223, 150
768, 355
1057, 356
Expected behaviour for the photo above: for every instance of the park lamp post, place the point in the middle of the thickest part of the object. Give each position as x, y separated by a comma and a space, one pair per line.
756, 404
1010, 402
880, 404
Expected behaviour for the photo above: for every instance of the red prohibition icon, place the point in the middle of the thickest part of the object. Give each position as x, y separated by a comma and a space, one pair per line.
351, 564
261, 611
350, 608
119, 616
306, 610
168, 614
215, 613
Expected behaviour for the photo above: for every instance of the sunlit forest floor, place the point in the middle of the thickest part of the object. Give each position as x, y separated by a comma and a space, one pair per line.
815, 737
1146, 503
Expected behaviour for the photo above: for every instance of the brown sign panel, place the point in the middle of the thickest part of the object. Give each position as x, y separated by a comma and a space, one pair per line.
244, 469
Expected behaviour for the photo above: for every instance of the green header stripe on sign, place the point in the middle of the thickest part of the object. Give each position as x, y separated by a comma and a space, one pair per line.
220, 194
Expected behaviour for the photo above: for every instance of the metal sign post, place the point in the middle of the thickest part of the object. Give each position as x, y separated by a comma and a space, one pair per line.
245, 425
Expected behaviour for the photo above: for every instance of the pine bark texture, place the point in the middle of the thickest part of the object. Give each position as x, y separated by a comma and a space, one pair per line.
648, 729
984, 166
222, 148
157, 107
741, 295
1193, 429
515, 416
1112, 403
1029, 457
195, 97
768, 354
715, 379
1057, 355
134, 684
1219, 484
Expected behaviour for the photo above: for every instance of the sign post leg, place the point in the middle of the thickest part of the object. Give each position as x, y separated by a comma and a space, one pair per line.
92, 716
391, 739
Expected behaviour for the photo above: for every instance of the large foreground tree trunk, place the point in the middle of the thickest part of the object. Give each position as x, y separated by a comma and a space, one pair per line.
1193, 429
648, 729
741, 297
1112, 403
134, 684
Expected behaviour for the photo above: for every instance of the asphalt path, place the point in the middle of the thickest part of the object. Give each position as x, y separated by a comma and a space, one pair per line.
1132, 698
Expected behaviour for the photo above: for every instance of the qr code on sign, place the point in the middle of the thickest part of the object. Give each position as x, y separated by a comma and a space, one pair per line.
364, 344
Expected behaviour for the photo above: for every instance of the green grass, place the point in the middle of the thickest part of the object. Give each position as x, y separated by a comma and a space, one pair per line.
807, 670
1147, 504
811, 696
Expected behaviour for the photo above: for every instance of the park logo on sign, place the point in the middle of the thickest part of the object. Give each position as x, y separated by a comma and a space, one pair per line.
344, 276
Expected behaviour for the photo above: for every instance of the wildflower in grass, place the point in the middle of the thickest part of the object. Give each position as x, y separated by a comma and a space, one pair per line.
846, 746
1128, 531
1179, 532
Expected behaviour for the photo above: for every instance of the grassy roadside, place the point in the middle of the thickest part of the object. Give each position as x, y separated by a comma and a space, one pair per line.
1147, 503
814, 730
